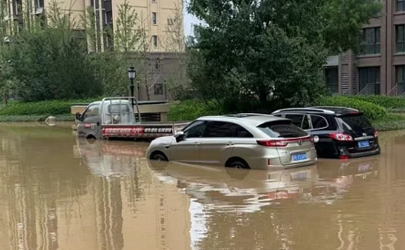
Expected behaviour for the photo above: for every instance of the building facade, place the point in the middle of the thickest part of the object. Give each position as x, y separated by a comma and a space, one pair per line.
156, 17
379, 68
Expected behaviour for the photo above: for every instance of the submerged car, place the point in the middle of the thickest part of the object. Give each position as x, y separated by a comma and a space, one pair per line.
238, 141
338, 132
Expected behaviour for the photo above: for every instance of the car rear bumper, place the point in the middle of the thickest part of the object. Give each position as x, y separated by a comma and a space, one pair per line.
375, 151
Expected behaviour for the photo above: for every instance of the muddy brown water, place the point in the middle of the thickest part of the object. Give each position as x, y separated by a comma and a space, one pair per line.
57, 192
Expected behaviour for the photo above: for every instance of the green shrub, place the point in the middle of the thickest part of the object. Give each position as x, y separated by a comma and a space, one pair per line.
390, 122
371, 110
384, 101
39, 108
191, 109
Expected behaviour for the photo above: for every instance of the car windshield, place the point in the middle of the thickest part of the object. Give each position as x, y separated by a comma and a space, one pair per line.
282, 129
355, 122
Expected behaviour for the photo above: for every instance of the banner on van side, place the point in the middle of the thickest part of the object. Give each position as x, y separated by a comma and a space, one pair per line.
126, 131
158, 130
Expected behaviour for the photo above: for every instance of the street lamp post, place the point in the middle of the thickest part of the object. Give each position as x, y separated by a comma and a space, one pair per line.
131, 76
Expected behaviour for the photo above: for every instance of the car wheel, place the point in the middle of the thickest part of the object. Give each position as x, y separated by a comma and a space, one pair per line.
238, 164
158, 156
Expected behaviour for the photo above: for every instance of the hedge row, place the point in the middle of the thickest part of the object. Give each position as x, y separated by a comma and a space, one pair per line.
39, 108
384, 101
191, 109
371, 110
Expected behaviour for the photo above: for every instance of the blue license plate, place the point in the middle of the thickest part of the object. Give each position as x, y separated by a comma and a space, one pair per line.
364, 144
299, 157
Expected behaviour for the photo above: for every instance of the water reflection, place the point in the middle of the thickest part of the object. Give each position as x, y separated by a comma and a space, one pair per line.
59, 193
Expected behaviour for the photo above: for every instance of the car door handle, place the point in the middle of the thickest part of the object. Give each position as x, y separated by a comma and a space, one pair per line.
229, 143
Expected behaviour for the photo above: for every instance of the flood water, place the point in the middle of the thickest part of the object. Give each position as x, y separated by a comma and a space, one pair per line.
57, 192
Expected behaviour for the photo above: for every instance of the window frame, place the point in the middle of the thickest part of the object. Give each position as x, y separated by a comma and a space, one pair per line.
83, 118
154, 18
400, 40
399, 2
312, 126
238, 127
302, 121
191, 125
155, 41
367, 73
155, 92
375, 42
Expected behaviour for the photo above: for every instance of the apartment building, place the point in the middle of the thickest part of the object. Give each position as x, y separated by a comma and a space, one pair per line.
156, 17
379, 68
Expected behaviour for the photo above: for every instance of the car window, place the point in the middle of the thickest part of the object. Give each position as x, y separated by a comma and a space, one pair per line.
355, 122
318, 122
91, 113
195, 129
117, 108
282, 129
300, 121
226, 129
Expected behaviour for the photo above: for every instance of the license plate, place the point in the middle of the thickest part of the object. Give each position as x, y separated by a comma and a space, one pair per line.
299, 157
364, 144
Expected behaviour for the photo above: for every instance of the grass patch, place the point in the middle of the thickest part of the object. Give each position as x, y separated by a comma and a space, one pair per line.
44, 108
35, 118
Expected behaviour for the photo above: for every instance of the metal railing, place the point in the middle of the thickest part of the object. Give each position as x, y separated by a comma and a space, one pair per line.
393, 91
367, 90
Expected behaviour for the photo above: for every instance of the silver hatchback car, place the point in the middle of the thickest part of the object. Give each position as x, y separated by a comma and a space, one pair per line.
253, 141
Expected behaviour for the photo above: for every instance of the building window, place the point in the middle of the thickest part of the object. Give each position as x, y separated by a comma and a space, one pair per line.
157, 64
369, 81
332, 79
154, 21
108, 17
400, 5
153, 1
400, 79
158, 89
154, 41
371, 41
400, 38
170, 21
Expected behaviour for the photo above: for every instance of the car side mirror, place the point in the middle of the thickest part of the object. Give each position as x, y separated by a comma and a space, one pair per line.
179, 136
78, 116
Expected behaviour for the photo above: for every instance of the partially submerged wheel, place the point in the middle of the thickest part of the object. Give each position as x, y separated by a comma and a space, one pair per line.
158, 156
238, 164
237, 168
158, 161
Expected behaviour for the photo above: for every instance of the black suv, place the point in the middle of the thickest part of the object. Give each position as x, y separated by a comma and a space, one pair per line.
338, 132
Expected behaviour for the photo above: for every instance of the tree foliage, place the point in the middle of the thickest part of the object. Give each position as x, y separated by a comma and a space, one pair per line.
265, 54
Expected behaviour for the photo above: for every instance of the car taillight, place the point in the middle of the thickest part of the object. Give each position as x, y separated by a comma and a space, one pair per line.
375, 133
273, 143
341, 137
283, 142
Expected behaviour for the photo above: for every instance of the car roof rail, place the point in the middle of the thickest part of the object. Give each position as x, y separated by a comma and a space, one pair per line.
241, 115
337, 109
309, 109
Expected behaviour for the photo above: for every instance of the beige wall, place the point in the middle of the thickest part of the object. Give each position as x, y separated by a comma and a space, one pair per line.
165, 9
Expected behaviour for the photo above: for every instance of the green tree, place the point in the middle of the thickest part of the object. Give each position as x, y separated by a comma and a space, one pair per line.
261, 55
128, 33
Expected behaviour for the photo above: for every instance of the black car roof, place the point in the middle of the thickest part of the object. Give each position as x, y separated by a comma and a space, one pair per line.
331, 110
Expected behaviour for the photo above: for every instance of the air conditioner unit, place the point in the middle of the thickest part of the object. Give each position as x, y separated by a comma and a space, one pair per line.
39, 11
